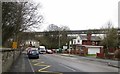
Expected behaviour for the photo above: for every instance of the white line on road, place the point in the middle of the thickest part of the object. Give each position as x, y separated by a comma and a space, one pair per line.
31, 66
68, 67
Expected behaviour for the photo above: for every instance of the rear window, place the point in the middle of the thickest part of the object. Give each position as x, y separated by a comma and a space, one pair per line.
34, 51
42, 49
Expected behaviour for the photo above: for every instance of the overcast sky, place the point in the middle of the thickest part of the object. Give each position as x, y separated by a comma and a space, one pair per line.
79, 14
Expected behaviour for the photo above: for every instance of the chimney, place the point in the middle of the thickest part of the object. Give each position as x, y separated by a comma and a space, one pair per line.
89, 36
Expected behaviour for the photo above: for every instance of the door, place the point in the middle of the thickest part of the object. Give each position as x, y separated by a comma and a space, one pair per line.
93, 50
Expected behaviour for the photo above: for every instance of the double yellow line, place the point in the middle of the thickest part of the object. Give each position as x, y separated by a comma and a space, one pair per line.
41, 64
44, 67
42, 70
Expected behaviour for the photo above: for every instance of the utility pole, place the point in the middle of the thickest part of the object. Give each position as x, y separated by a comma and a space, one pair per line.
59, 39
59, 43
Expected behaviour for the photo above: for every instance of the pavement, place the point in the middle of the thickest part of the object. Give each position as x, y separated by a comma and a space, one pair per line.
112, 63
21, 64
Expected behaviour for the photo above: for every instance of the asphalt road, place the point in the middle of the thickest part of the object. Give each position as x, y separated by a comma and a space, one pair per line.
54, 63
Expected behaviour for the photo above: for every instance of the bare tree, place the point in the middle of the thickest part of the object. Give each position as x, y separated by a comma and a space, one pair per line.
110, 40
18, 17
56, 36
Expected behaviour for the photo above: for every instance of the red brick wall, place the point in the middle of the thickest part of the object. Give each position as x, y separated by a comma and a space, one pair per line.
101, 50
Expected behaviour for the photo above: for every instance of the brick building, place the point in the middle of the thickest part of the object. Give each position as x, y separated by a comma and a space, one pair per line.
86, 44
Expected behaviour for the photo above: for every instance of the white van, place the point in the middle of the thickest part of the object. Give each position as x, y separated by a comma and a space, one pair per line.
42, 49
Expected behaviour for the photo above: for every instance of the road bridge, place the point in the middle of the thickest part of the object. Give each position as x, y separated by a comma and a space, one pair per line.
93, 31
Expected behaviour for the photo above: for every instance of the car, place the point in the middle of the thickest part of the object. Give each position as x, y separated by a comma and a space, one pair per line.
42, 50
33, 53
49, 51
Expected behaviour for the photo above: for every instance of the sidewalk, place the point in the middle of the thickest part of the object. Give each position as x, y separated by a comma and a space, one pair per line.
21, 64
112, 63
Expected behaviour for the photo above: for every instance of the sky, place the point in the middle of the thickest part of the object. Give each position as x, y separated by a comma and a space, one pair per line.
79, 14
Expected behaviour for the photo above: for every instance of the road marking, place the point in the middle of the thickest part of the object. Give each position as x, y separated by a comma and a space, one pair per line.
68, 67
44, 68
34, 60
73, 58
45, 71
31, 66
49, 72
40, 64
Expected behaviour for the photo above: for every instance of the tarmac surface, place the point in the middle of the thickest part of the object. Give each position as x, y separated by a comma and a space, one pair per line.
59, 64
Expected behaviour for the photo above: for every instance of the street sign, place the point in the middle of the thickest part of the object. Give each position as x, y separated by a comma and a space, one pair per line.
14, 45
64, 47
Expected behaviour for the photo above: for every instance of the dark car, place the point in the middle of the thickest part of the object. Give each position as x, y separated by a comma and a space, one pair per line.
33, 53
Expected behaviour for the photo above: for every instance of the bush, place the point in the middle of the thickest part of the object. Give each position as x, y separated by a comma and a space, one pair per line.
117, 54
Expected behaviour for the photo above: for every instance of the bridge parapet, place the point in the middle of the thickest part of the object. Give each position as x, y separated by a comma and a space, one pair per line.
93, 31
8, 57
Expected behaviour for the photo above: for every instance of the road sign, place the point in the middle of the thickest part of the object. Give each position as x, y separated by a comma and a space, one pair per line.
64, 47
14, 45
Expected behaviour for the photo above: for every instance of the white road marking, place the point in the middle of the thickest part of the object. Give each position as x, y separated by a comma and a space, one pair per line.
42, 62
47, 66
68, 67
31, 66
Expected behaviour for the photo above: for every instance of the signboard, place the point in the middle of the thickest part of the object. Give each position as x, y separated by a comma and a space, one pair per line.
14, 45
64, 47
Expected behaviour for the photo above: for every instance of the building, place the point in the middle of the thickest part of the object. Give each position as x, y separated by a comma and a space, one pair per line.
86, 44
32, 43
87, 40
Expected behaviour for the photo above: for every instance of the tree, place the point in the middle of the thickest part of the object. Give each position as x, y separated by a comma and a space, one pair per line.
117, 54
55, 36
110, 40
18, 17
53, 27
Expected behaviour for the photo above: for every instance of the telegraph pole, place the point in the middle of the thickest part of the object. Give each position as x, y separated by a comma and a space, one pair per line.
59, 39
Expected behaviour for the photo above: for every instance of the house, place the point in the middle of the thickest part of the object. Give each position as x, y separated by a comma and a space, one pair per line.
32, 43
86, 44
87, 40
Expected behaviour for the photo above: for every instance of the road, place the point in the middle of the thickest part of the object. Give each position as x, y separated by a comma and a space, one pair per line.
56, 63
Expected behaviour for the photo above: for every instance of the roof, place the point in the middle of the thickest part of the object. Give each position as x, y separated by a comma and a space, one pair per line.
91, 46
93, 38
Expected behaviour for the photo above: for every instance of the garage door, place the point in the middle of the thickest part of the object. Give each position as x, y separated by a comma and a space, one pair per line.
93, 50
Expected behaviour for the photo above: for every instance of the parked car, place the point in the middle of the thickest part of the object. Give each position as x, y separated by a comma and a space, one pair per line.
33, 53
42, 49
54, 50
49, 51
